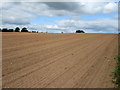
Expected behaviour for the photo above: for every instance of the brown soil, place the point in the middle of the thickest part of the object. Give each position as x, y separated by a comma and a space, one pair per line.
46, 60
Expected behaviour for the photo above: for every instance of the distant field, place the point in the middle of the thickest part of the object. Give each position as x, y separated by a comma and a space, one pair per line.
46, 60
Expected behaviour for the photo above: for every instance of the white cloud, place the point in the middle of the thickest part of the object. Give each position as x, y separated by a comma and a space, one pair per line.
110, 7
21, 13
100, 25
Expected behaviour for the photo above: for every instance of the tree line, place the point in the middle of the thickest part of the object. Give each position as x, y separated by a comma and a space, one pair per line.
17, 29
24, 29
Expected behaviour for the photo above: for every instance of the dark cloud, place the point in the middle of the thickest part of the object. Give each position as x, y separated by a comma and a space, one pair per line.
67, 6
15, 22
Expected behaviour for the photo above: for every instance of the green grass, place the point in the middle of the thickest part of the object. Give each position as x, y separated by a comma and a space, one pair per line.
116, 73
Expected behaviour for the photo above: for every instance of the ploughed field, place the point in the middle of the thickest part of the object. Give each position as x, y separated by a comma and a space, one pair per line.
52, 60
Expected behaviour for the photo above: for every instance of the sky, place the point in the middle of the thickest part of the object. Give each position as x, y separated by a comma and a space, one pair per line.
57, 17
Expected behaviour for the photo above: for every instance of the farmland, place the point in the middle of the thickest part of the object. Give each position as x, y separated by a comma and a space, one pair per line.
55, 60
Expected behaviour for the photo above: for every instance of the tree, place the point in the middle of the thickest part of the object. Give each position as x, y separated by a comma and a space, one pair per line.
11, 30
0, 30
33, 31
24, 30
17, 29
80, 31
5, 30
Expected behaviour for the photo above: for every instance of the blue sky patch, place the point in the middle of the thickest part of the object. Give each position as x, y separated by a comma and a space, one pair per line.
47, 19
98, 16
